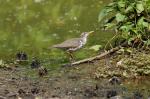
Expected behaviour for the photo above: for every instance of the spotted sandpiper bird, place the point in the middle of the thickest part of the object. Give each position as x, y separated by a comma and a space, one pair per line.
73, 44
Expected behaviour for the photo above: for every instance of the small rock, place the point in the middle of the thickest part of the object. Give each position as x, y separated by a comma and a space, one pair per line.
21, 56
114, 80
21, 91
42, 71
35, 63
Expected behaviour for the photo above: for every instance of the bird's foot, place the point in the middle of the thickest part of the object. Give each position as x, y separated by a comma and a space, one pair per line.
72, 60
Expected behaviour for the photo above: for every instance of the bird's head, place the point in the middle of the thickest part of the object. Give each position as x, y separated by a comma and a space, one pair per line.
86, 34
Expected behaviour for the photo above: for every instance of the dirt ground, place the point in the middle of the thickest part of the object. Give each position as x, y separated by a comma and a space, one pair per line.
75, 82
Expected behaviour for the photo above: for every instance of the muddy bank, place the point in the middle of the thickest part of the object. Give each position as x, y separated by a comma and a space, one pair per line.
101, 79
68, 83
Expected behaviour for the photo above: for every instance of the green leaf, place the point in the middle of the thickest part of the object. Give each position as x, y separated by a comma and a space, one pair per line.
111, 4
145, 24
147, 42
126, 27
109, 25
129, 9
96, 47
104, 13
139, 7
120, 17
121, 4
142, 23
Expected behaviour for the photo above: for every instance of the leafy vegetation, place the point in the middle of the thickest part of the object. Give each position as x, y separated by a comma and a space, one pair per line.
130, 18
131, 21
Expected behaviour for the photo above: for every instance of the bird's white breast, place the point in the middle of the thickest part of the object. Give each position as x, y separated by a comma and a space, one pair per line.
82, 42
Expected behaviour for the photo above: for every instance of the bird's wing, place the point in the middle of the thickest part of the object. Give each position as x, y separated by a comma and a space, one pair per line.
71, 43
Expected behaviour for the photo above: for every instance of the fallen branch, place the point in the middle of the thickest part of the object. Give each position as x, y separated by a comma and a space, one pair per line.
98, 57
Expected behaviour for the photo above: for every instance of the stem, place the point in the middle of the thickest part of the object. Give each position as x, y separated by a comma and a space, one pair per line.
110, 40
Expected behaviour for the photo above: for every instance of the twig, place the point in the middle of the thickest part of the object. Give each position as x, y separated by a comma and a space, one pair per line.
109, 42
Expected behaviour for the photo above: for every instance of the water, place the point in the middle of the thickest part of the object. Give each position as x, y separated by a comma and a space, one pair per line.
34, 25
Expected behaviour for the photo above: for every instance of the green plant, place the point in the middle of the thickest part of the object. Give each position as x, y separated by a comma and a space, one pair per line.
131, 19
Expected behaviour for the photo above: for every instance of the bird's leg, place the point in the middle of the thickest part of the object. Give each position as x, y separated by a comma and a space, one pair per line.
71, 56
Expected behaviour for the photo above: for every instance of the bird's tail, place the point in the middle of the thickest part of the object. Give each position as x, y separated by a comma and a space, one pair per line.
54, 46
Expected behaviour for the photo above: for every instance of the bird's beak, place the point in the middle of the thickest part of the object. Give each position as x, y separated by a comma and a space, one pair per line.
90, 32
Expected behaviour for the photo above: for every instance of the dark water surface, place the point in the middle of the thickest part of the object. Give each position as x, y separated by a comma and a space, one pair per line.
35, 25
